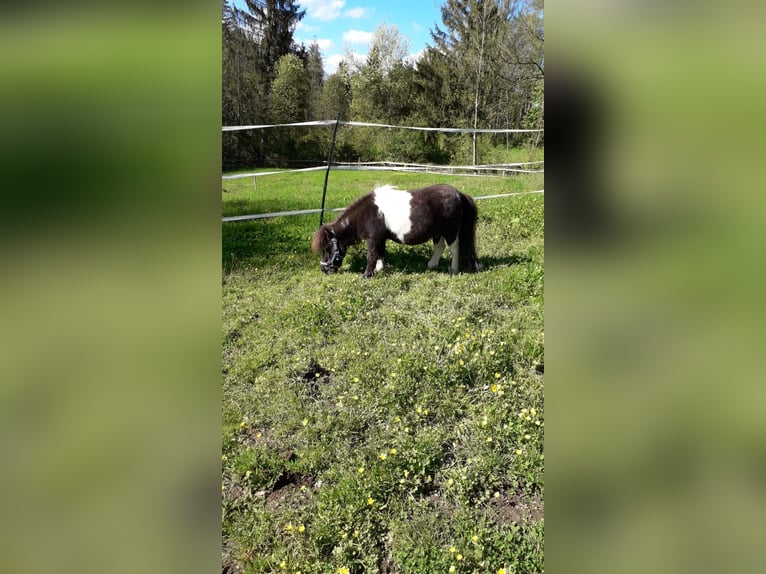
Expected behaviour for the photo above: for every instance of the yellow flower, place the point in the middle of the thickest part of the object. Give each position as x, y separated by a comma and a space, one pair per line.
475, 538
242, 425
288, 528
459, 557
370, 501
526, 436
360, 470
305, 422
356, 379
518, 451
383, 456
283, 565
393, 451
452, 549
301, 528
495, 388
489, 439
419, 410
356, 534
342, 570
452, 568
497, 375
462, 362
501, 571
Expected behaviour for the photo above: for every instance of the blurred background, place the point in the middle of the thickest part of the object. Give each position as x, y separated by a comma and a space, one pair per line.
654, 219
110, 287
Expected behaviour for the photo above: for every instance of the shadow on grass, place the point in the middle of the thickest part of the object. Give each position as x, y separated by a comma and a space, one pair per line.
416, 261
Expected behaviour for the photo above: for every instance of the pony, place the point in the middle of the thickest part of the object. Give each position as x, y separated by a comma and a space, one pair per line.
438, 212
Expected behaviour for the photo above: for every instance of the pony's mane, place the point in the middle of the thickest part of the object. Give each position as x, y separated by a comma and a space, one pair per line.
316, 242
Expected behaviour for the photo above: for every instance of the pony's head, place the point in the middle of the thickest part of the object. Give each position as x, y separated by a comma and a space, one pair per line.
326, 242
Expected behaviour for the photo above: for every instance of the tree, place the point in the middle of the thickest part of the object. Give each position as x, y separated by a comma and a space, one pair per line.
275, 21
287, 100
315, 82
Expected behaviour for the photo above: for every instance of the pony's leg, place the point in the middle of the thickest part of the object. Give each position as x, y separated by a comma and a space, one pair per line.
376, 252
438, 250
454, 251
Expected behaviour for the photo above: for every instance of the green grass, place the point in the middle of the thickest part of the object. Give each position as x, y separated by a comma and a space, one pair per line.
377, 424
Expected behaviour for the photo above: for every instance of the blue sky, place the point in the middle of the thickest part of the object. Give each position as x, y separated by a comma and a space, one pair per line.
341, 25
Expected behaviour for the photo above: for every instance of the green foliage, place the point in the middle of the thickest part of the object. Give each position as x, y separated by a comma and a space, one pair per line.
484, 70
418, 445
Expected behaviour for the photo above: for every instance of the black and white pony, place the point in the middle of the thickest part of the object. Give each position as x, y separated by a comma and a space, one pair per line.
438, 212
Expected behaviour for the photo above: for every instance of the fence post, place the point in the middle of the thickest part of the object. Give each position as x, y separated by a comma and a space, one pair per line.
327, 172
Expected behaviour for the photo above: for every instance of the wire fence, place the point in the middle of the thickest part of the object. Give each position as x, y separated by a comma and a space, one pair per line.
484, 170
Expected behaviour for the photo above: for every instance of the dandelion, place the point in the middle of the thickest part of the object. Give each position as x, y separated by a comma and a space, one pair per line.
489, 439
497, 375
288, 528
462, 362
356, 534
370, 501
501, 571
518, 451
419, 410
452, 568
305, 422
393, 451
242, 424
452, 549
474, 538
495, 388
356, 379
283, 565
301, 528
459, 557
383, 456
342, 570
360, 470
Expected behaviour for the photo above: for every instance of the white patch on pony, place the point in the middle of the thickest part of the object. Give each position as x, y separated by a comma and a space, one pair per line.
379, 265
438, 250
394, 204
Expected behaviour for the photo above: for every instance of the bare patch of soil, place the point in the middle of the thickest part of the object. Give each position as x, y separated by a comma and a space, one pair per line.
516, 508
291, 491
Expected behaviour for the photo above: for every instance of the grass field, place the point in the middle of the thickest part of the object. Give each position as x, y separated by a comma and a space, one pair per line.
386, 425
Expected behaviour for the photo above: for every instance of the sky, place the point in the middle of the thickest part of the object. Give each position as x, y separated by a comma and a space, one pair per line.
338, 25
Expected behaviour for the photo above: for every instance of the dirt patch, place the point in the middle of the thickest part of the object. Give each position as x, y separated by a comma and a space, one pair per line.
314, 376
516, 508
291, 491
228, 563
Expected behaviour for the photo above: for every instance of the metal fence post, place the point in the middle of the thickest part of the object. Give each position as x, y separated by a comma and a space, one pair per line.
327, 173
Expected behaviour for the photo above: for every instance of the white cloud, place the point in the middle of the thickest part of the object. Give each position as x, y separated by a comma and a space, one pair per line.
323, 43
357, 37
331, 63
357, 13
306, 27
413, 58
323, 9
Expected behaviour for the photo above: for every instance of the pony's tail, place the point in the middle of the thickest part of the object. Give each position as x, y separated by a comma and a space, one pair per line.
468, 257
